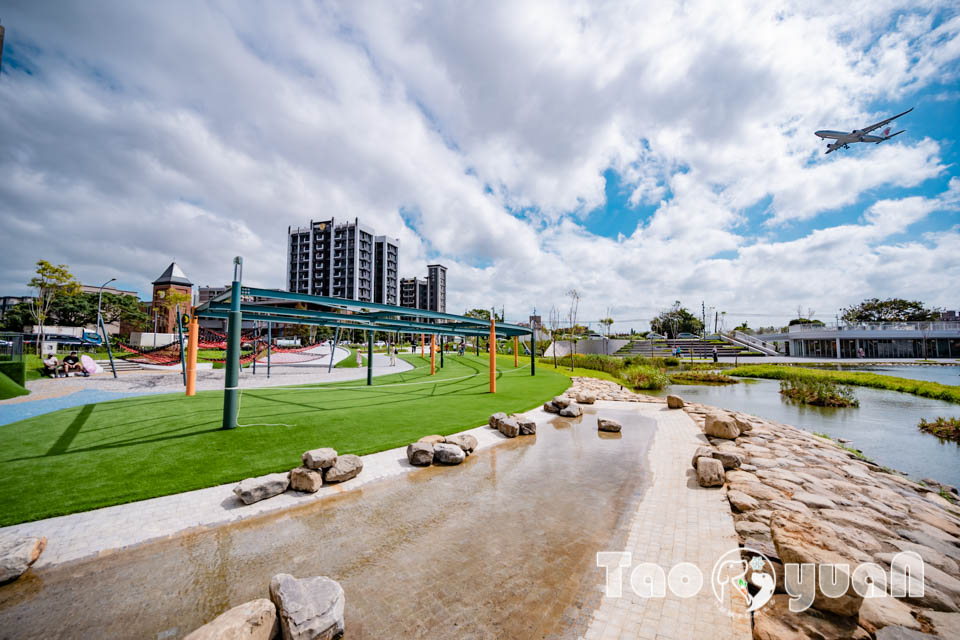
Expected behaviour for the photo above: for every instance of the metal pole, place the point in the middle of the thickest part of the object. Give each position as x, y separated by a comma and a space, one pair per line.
516, 352
269, 345
256, 339
101, 326
231, 380
493, 355
443, 341
433, 354
369, 358
193, 335
183, 359
533, 352
333, 349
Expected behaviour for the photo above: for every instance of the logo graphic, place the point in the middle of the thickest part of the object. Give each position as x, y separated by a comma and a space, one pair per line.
733, 574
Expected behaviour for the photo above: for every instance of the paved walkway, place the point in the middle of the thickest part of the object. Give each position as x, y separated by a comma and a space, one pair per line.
677, 521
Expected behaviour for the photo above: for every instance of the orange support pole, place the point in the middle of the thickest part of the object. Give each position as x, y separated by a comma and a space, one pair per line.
433, 355
493, 355
516, 352
421, 345
193, 336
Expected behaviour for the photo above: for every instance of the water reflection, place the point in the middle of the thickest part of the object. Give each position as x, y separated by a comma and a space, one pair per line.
501, 546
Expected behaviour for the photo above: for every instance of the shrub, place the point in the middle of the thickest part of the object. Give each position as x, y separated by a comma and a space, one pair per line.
646, 377
948, 428
821, 393
701, 377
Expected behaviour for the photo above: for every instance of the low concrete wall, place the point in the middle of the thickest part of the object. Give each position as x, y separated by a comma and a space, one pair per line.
146, 340
587, 347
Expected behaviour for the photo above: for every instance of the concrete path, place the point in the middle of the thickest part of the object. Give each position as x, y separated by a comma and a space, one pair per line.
677, 521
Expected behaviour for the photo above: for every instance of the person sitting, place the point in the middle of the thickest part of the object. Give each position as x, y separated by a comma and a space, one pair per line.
72, 364
51, 366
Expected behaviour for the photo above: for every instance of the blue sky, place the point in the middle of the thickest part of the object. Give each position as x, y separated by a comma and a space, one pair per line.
640, 153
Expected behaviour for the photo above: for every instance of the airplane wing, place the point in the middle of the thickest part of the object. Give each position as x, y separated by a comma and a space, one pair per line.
880, 124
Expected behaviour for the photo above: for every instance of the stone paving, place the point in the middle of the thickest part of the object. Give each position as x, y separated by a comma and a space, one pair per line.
677, 521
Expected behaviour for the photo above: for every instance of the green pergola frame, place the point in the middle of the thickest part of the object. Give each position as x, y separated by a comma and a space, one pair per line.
343, 314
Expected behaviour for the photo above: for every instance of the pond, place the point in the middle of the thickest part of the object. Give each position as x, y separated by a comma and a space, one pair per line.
884, 427
941, 373
503, 545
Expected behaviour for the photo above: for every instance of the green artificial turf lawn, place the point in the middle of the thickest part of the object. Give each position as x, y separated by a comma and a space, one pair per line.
350, 362
136, 448
9, 388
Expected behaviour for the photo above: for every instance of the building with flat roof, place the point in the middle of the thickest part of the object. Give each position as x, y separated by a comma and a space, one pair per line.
428, 293
340, 260
876, 340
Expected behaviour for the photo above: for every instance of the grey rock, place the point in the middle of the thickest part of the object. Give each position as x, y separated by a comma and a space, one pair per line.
700, 453
606, 424
306, 479
728, 459
709, 472
886, 611
562, 401
509, 427
446, 453
586, 398
721, 426
310, 608
433, 439
17, 554
775, 621
420, 454
572, 410
946, 624
549, 407
497, 417
813, 501
323, 458
674, 402
465, 441
527, 426
347, 467
253, 490
741, 501
933, 542
254, 620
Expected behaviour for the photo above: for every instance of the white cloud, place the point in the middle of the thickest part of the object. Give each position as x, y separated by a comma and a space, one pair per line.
145, 133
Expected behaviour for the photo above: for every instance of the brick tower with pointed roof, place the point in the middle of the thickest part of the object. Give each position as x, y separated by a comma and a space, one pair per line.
172, 279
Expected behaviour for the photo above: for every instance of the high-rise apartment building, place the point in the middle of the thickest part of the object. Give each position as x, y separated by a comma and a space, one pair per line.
342, 260
428, 293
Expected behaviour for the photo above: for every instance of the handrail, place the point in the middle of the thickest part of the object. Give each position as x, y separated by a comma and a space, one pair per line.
753, 343
945, 325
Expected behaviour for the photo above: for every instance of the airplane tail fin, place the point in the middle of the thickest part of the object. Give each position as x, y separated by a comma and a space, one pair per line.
887, 135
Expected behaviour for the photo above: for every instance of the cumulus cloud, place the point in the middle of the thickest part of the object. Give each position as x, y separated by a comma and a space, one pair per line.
479, 135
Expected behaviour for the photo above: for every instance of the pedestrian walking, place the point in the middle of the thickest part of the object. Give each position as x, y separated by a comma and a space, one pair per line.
359, 359
393, 356
715, 354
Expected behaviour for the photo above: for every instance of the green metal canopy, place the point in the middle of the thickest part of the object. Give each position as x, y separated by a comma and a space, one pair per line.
352, 314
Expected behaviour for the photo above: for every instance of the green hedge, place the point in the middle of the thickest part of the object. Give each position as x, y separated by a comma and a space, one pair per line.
16, 371
10, 389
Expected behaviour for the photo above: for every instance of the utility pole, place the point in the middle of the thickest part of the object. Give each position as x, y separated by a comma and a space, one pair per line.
703, 316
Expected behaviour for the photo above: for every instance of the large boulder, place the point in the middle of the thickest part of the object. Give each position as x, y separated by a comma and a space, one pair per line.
709, 472
775, 621
254, 620
585, 397
528, 427
420, 454
549, 407
435, 439
465, 441
17, 554
741, 501
446, 453
608, 424
496, 418
728, 459
253, 490
803, 539
572, 410
562, 401
509, 427
699, 453
306, 479
674, 402
885, 611
323, 458
902, 633
720, 425
347, 467
310, 608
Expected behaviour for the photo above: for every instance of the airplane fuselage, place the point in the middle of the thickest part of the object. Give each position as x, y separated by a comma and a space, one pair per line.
842, 139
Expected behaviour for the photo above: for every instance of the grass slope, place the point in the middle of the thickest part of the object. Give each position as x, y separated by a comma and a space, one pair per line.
9, 388
114, 452
853, 378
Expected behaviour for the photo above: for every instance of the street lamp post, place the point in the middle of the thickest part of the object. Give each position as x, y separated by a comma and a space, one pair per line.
103, 328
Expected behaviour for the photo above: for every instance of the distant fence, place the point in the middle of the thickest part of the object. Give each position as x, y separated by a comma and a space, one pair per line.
11, 347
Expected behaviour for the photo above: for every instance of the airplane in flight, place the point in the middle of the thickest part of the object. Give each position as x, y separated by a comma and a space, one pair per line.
843, 139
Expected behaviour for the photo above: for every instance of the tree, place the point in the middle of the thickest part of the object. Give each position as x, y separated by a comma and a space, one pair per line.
890, 310
16, 317
574, 296
74, 311
127, 311
675, 320
805, 321
49, 283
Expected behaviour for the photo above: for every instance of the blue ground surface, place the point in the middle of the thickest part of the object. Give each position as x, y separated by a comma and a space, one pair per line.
21, 410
